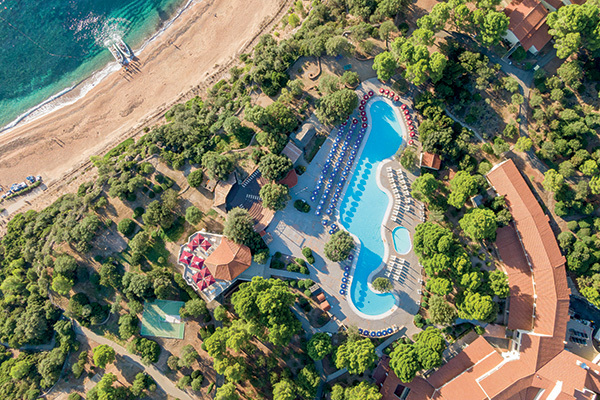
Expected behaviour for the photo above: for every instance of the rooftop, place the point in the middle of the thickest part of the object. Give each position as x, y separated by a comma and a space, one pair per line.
528, 23
430, 160
228, 260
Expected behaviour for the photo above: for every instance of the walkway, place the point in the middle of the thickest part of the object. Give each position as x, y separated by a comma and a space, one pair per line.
161, 380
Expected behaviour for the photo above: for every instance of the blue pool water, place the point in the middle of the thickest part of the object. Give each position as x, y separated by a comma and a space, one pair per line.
401, 240
364, 205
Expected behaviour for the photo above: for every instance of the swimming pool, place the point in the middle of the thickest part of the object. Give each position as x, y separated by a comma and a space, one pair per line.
364, 206
402, 242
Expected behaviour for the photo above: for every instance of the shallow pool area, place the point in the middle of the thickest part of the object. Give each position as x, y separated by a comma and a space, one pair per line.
402, 242
363, 208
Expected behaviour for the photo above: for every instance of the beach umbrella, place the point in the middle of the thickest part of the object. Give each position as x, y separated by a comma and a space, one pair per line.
197, 262
361, 108
364, 125
363, 102
403, 106
206, 245
317, 212
344, 123
364, 119
381, 90
410, 142
396, 98
412, 134
184, 260
354, 121
387, 91
312, 198
371, 93
392, 94
366, 97
342, 292
363, 113
197, 277
324, 222
405, 112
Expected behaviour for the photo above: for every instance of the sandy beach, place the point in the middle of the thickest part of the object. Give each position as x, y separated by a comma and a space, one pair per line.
196, 48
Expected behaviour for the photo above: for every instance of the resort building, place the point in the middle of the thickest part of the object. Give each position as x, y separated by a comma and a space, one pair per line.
536, 365
430, 160
527, 25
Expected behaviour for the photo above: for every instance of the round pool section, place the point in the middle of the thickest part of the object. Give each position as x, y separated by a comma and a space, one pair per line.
364, 205
402, 242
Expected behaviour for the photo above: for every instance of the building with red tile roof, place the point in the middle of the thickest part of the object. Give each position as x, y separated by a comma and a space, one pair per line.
430, 160
527, 24
537, 366
228, 260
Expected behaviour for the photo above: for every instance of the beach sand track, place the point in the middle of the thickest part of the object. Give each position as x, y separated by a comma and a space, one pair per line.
196, 51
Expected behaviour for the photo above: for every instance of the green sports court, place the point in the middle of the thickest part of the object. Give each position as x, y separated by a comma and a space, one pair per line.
161, 319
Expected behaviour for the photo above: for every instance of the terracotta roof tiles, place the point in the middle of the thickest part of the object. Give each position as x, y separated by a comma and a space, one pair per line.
528, 23
228, 260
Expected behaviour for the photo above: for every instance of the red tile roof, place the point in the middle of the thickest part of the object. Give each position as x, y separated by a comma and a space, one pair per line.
431, 160
528, 23
519, 278
228, 260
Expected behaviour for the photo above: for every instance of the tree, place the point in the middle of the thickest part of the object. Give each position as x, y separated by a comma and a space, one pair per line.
193, 215
227, 392
429, 346
356, 355
61, 284
440, 311
386, 29
20, 369
479, 224
492, 25
463, 185
284, 390
126, 226
266, 304
103, 354
439, 286
404, 362
136, 285
110, 275
499, 284
194, 308
589, 168
575, 27
307, 382
477, 306
339, 246
333, 108
382, 285
65, 265
571, 73
218, 166
239, 227
523, 144
385, 65
409, 158
195, 178
319, 346
104, 389
128, 325
274, 167
425, 187
275, 196
148, 349
553, 181
338, 45
187, 356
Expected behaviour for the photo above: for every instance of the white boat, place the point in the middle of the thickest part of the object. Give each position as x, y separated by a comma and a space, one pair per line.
116, 54
124, 49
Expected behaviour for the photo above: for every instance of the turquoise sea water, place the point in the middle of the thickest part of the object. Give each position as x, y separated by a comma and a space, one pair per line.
49, 46
364, 205
402, 242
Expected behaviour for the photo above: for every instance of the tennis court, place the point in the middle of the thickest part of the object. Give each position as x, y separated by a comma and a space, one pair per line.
161, 319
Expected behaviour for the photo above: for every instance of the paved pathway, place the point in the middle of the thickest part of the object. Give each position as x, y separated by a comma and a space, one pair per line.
161, 380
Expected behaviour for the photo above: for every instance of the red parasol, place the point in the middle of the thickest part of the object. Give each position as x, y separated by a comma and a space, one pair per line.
197, 262
412, 134
364, 125
206, 245
380, 90
363, 102
361, 108
371, 93
410, 142
354, 121
366, 97
403, 106
396, 98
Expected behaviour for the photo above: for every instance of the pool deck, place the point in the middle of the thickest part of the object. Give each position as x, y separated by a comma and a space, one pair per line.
292, 230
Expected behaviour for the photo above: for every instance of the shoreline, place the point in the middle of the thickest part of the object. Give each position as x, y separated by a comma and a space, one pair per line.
59, 145
86, 84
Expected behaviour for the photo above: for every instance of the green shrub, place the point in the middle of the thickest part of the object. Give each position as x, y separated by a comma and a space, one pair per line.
573, 226
126, 226
307, 293
302, 206
419, 321
307, 253
479, 330
138, 212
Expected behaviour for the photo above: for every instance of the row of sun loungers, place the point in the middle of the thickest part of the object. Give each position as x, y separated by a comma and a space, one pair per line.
382, 333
